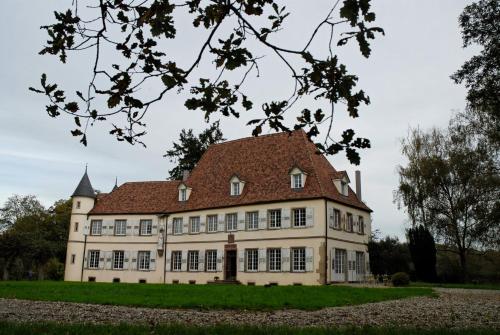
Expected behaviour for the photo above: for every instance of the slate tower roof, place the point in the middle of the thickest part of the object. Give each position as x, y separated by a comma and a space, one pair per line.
84, 188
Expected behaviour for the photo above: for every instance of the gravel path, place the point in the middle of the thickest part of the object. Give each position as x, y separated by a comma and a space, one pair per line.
455, 308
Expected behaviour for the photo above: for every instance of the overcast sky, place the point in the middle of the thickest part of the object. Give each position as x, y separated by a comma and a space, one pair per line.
406, 77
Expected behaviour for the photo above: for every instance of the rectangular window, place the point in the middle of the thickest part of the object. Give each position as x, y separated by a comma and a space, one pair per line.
193, 258
120, 227
211, 260
252, 220
143, 260
94, 259
76, 226
177, 223
340, 260
361, 225
336, 219
350, 223
194, 224
299, 259
183, 195
96, 227
118, 257
212, 223
231, 222
235, 188
360, 261
344, 189
146, 227
252, 259
176, 260
299, 217
73, 256
274, 259
297, 180
78, 204
275, 218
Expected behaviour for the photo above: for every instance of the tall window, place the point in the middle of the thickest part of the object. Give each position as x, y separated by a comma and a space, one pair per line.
78, 204
176, 260
212, 223
275, 218
297, 180
299, 259
235, 188
96, 227
143, 260
118, 257
177, 223
336, 219
73, 257
194, 224
193, 259
252, 220
299, 217
340, 260
231, 222
120, 227
252, 259
146, 227
93, 259
211, 260
274, 259
76, 226
344, 189
183, 194
350, 222
361, 225
360, 262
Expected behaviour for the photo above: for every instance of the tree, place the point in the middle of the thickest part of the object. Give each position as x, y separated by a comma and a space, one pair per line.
388, 256
423, 253
481, 73
17, 207
454, 172
190, 148
237, 30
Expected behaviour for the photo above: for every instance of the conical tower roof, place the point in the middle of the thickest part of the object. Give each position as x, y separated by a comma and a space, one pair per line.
84, 188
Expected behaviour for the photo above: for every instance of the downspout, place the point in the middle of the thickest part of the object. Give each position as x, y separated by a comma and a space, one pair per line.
326, 242
165, 251
83, 257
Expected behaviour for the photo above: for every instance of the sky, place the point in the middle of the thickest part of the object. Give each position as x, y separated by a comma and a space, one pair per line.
406, 77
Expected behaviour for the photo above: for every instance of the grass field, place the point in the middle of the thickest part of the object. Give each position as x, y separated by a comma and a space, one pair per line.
205, 296
11, 328
467, 286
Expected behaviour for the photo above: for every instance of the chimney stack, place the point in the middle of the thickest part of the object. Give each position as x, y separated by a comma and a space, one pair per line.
358, 185
185, 175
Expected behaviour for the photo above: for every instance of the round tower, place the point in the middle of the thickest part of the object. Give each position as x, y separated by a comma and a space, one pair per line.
83, 198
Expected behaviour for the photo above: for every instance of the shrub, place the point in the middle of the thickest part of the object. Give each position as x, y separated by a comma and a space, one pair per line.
400, 279
54, 269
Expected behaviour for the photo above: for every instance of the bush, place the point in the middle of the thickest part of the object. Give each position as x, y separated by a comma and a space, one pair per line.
54, 269
400, 279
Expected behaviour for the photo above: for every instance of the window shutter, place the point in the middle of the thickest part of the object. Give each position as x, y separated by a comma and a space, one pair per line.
154, 228
201, 260
241, 260
367, 262
343, 224
262, 260
285, 259
263, 219
135, 231
241, 220
221, 224
130, 228
152, 260
309, 259
220, 254
133, 260
102, 259
185, 226
109, 256
86, 260
184, 261
331, 214
309, 216
86, 229
168, 261
170, 230
203, 228
126, 260
285, 217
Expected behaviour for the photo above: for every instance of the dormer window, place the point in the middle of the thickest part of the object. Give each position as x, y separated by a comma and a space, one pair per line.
342, 183
343, 187
184, 192
297, 178
235, 189
236, 186
183, 196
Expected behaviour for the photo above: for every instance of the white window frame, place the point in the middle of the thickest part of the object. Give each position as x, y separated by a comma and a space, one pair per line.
274, 259
118, 259
252, 220
211, 260
297, 180
212, 223
360, 261
193, 260
340, 261
183, 194
252, 260
274, 216
194, 224
298, 259
361, 225
235, 188
120, 228
336, 219
144, 260
343, 188
146, 227
233, 222
299, 217
94, 259
177, 226
96, 227
176, 260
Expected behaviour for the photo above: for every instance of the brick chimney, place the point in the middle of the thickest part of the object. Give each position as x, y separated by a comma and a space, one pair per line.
358, 184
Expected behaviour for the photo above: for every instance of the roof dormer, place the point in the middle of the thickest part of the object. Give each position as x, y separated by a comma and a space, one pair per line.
236, 186
184, 192
297, 178
342, 183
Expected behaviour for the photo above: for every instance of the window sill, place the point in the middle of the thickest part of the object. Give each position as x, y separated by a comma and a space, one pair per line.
300, 227
145, 235
274, 228
298, 271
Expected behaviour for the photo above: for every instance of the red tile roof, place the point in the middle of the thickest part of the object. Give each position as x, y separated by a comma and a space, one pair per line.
263, 163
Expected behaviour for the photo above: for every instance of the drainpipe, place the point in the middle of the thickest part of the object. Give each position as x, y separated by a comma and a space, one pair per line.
165, 251
83, 257
326, 242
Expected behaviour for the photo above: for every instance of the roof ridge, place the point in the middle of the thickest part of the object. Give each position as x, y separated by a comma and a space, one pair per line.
150, 181
281, 133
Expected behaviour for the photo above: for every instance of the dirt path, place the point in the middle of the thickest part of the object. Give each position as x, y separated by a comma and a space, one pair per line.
455, 308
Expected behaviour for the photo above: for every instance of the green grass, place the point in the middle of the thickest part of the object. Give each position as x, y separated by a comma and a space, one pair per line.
449, 285
205, 296
14, 328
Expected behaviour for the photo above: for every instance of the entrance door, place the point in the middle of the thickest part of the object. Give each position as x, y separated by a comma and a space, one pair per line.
340, 266
351, 269
230, 273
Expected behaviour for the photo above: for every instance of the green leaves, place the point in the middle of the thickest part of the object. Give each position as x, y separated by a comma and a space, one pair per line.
230, 55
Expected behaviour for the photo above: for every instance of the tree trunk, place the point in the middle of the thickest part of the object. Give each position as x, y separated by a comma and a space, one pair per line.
463, 265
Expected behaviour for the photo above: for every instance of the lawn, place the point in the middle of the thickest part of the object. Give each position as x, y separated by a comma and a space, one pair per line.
11, 328
205, 296
449, 285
